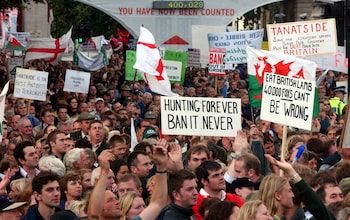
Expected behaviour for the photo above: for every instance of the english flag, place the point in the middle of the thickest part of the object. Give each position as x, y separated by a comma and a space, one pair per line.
149, 62
2, 106
46, 48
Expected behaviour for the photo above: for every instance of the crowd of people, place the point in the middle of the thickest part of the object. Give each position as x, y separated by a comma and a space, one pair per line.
72, 157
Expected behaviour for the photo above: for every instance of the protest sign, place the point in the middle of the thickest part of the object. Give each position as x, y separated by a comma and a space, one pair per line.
337, 62
12, 64
194, 56
314, 37
287, 100
235, 44
200, 116
31, 84
129, 69
216, 61
175, 65
77, 81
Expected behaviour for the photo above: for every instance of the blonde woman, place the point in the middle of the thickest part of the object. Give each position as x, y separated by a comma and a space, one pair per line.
17, 186
254, 210
276, 193
131, 205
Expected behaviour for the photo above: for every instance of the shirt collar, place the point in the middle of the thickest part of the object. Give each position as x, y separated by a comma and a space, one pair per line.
206, 194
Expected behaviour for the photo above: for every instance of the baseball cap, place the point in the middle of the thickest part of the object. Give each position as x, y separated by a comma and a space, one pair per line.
86, 116
344, 185
149, 132
339, 89
99, 99
6, 205
150, 115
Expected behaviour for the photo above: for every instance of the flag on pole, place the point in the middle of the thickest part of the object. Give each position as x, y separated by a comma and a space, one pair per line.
134, 141
47, 48
2, 106
15, 44
149, 62
49, 13
94, 59
262, 61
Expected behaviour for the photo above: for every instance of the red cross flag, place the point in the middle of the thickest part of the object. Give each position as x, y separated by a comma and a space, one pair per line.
149, 62
49, 49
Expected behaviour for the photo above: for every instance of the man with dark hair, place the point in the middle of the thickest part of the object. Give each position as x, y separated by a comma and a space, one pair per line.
212, 183
196, 155
55, 140
27, 160
182, 190
46, 191
140, 164
96, 134
47, 118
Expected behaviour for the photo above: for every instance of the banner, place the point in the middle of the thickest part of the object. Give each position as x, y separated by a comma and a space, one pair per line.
200, 116
306, 38
77, 81
235, 44
286, 100
216, 61
129, 66
31, 84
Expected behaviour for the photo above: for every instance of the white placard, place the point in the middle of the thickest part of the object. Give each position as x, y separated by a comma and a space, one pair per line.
173, 69
12, 64
200, 116
307, 38
288, 101
77, 81
235, 43
31, 84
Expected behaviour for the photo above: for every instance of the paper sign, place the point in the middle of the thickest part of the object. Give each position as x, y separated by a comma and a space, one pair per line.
77, 81
12, 64
216, 61
31, 84
194, 56
288, 101
200, 116
314, 37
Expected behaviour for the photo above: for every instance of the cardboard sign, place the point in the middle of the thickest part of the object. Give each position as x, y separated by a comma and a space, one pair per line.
77, 81
200, 116
287, 100
314, 37
31, 84
175, 65
216, 61
235, 43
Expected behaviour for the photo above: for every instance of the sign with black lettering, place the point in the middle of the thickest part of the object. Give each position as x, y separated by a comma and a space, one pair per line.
31, 84
287, 100
216, 61
200, 116
77, 81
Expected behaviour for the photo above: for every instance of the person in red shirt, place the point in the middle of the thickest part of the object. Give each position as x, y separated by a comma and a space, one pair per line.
212, 184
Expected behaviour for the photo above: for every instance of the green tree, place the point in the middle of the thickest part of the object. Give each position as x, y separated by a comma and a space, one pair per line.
17, 3
69, 13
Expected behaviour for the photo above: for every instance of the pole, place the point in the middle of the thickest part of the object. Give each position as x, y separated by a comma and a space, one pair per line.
347, 35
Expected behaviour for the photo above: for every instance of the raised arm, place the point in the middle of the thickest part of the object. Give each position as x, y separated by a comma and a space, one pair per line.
97, 197
160, 192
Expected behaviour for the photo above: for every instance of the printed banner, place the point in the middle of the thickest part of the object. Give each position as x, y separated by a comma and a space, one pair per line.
314, 37
216, 61
200, 116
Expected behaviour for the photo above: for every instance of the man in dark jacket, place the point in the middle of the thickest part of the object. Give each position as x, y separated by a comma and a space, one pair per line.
183, 193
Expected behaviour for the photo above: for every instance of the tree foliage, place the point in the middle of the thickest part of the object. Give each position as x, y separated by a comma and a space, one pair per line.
69, 13
17, 3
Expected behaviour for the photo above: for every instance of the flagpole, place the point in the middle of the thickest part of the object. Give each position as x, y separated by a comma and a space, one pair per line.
133, 87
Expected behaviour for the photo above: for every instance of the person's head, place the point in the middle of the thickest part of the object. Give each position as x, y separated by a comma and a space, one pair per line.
182, 188
196, 155
14, 122
322, 178
48, 129
332, 131
111, 208
210, 176
56, 142
77, 159
243, 187
71, 186
96, 131
46, 190
17, 186
118, 146
254, 210
53, 164
330, 193
25, 127
139, 163
10, 210
120, 168
96, 174
247, 165
276, 193
129, 183
47, 116
131, 205
85, 118
21, 109
223, 210
25, 155
65, 126
85, 175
